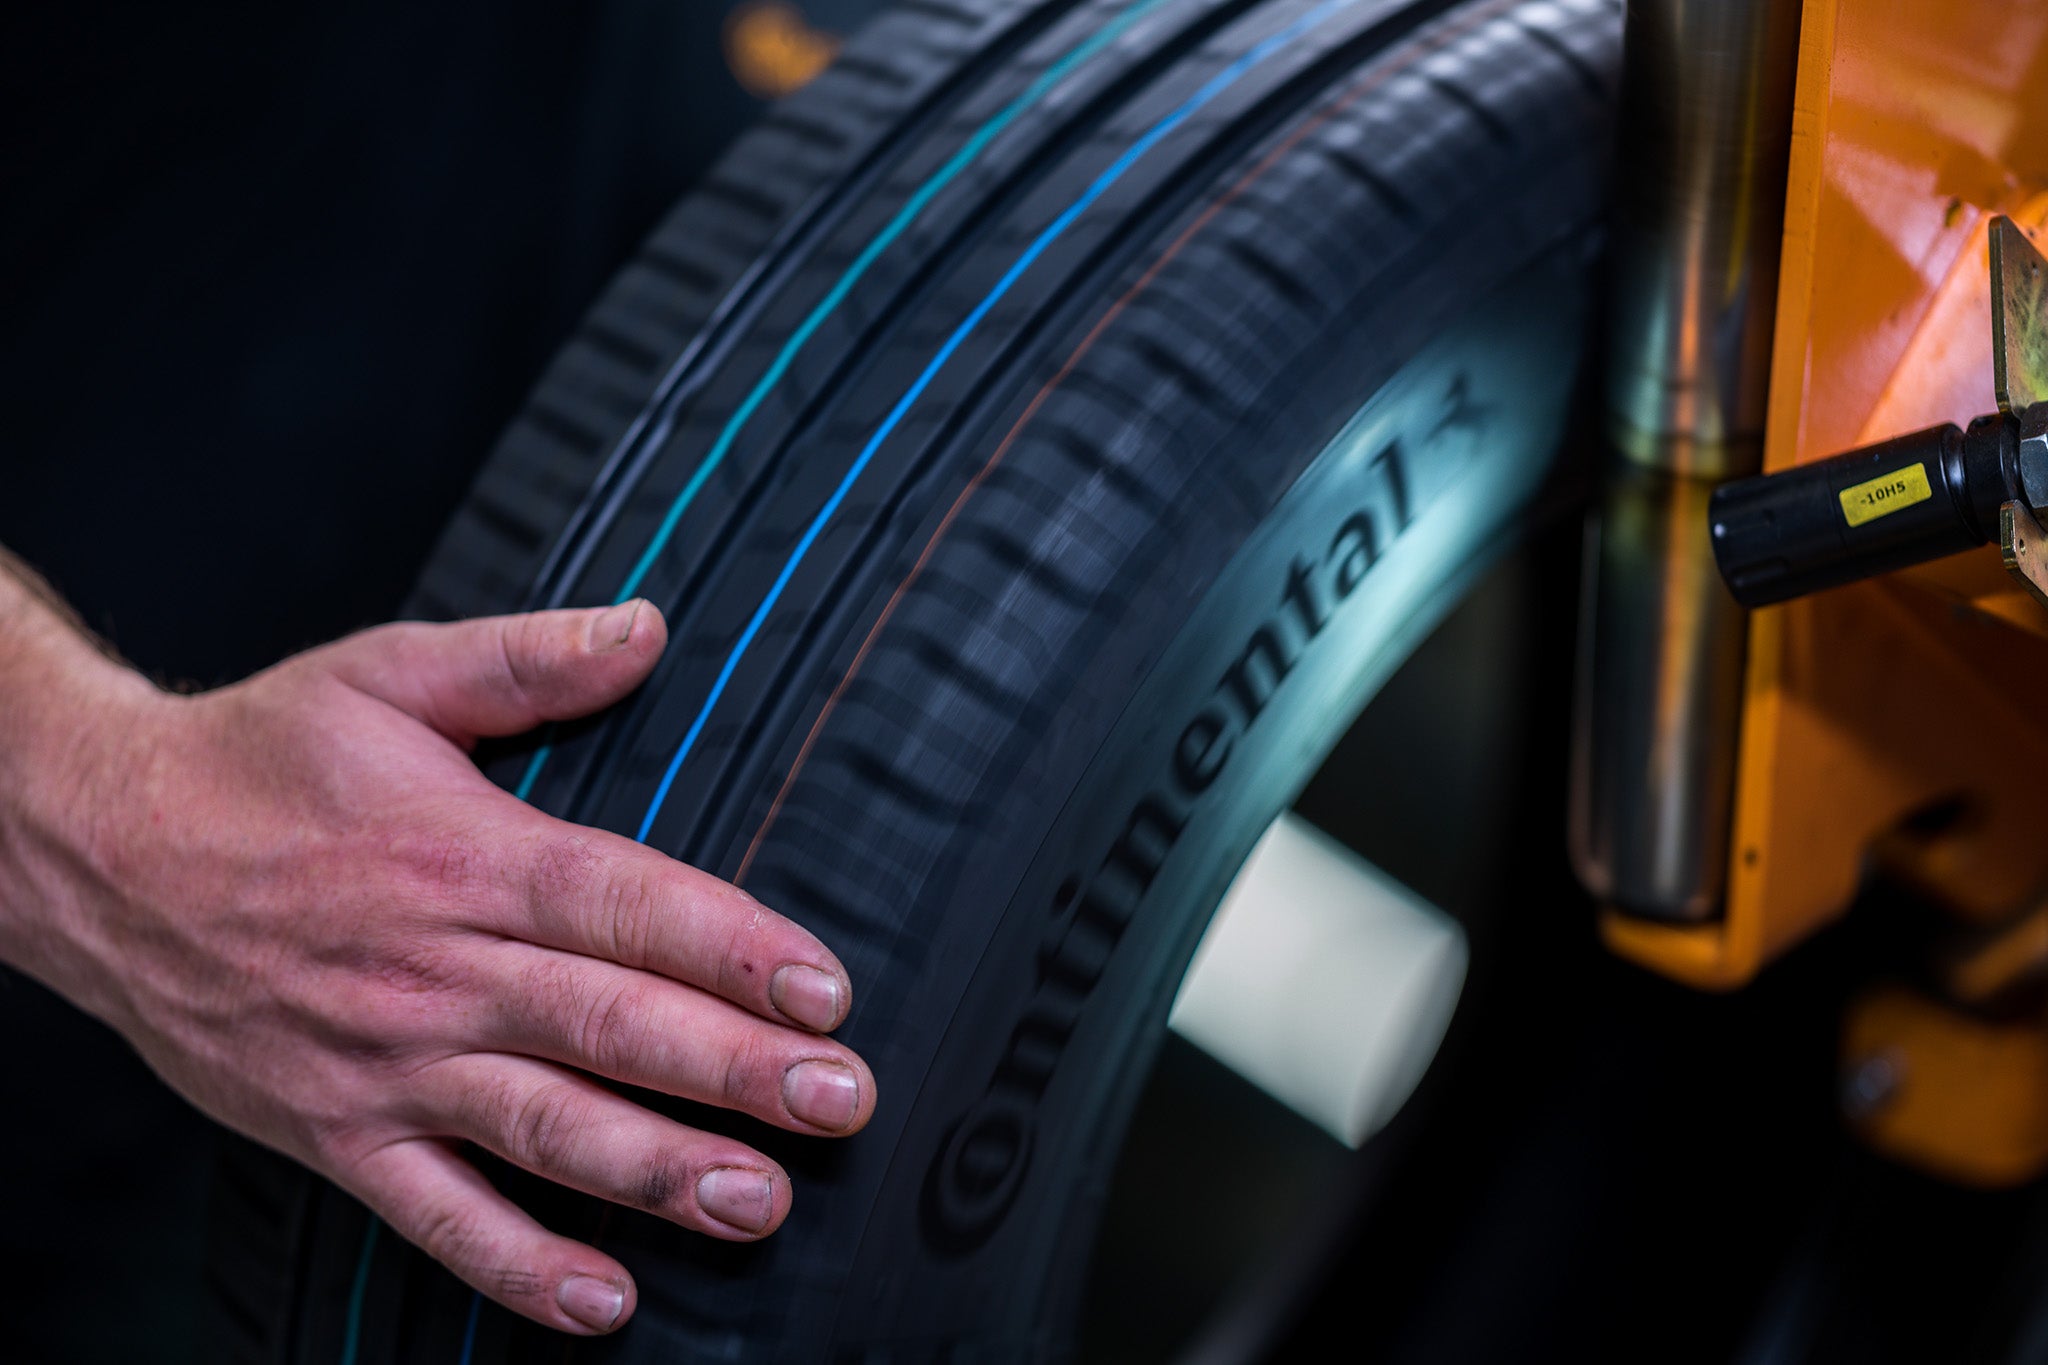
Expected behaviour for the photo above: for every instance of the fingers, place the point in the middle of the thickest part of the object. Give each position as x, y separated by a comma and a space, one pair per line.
443, 1205
575, 1132
503, 675
604, 896
648, 1031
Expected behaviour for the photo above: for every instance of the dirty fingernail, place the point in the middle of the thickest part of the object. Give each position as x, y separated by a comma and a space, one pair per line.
807, 995
745, 1199
824, 1094
592, 1302
614, 627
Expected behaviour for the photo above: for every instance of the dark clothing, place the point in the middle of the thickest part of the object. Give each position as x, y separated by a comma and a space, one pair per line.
270, 282
273, 282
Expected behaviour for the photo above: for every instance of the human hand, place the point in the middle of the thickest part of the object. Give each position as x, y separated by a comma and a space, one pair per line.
307, 909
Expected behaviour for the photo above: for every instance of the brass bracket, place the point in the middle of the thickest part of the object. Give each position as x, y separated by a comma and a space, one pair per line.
2024, 546
2019, 318
2019, 374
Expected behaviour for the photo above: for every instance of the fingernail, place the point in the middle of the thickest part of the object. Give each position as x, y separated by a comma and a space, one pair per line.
745, 1199
613, 628
592, 1302
807, 995
824, 1094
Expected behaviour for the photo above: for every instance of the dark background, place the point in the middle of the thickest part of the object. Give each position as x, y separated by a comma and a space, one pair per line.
272, 280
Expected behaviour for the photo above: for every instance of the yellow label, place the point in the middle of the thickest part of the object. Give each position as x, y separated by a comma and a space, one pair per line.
1885, 494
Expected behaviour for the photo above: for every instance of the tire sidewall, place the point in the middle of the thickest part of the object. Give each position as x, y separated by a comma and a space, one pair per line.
981, 1227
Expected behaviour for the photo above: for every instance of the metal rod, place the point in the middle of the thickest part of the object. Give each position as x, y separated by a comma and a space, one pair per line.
1699, 213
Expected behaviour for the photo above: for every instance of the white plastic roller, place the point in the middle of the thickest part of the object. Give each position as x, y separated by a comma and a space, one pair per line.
1323, 981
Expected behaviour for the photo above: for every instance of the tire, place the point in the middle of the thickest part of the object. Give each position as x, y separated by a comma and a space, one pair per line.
1014, 585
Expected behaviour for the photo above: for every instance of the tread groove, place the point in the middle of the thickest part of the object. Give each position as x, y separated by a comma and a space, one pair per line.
1348, 162
1457, 94
807, 130
1178, 368
873, 70
1588, 78
938, 9
1016, 556
885, 779
748, 200
1282, 281
1090, 457
634, 355
504, 522
664, 259
568, 430
939, 657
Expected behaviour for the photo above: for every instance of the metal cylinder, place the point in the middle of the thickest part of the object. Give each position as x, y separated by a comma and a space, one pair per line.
1699, 212
1699, 207
1660, 691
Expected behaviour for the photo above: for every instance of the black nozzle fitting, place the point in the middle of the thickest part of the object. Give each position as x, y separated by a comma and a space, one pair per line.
1899, 502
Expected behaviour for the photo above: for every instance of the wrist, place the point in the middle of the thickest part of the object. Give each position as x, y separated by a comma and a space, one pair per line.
67, 712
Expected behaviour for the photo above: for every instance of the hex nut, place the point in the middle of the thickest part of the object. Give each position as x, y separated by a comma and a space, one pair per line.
2034, 456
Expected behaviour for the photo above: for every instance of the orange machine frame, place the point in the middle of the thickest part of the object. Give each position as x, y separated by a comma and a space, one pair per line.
1912, 127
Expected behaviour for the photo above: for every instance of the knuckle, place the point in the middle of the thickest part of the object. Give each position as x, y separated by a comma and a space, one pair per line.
566, 876
419, 966
667, 1177
631, 898
449, 860
509, 1283
749, 1064
567, 871
543, 1132
610, 1037
526, 649
452, 1235
751, 944
456, 1237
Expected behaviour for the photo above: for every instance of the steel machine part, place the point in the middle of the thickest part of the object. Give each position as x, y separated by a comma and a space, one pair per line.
1912, 127
1952, 1082
1962, 1095
1706, 100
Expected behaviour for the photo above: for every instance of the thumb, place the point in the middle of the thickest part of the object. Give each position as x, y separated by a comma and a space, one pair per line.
503, 675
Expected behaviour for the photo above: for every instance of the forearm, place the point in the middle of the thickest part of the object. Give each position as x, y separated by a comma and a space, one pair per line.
64, 706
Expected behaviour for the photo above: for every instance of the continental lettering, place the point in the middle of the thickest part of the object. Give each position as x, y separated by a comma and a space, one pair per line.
1354, 551
981, 1166
1258, 672
1201, 751
1150, 831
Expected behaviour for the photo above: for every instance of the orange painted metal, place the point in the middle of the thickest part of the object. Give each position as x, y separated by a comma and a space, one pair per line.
1965, 1098
772, 49
1913, 123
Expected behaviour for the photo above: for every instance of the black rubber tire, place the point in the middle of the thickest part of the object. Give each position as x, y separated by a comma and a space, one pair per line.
1290, 366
